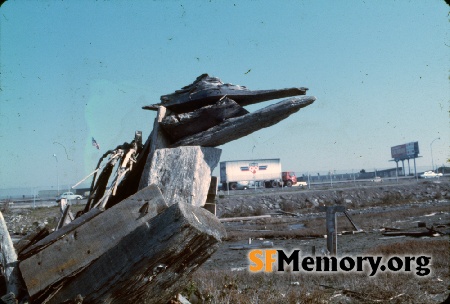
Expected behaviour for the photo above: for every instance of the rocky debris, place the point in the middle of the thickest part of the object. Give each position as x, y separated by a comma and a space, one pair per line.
352, 198
22, 221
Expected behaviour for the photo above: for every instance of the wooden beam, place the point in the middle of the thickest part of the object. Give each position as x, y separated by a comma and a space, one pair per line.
66, 214
410, 233
237, 127
210, 204
206, 90
31, 239
184, 173
158, 140
243, 218
178, 126
57, 262
351, 221
56, 235
332, 226
150, 265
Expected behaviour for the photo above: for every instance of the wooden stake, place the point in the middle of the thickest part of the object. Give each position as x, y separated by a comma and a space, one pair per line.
332, 226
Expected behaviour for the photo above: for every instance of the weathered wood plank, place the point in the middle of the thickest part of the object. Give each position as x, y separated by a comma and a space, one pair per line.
78, 248
206, 90
56, 235
130, 184
152, 264
183, 174
410, 233
30, 239
66, 214
210, 204
243, 218
178, 126
8, 257
237, 127
213, 186
158, 140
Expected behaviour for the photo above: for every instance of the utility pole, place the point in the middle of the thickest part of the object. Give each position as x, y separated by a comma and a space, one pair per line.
57, 174
431, 148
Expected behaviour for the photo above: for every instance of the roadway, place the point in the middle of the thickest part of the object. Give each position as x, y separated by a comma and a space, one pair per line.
38, 203
337, 185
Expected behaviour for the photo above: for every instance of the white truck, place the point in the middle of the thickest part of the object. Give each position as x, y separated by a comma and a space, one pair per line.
245, 174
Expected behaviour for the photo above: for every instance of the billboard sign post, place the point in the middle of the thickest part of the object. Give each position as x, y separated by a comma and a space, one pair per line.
405, 151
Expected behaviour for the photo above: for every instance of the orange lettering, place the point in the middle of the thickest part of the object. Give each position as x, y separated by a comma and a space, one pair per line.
255, 257
270, 260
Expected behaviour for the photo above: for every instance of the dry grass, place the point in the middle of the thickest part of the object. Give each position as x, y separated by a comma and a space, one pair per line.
244, 287
273, 228
279, 227
244, 210
397, 218
225, 286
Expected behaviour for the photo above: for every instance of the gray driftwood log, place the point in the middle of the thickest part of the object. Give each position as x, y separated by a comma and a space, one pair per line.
207, 90
178, 126
56, 235
183, 174
238, 127
152, 264
157, 140
53, 266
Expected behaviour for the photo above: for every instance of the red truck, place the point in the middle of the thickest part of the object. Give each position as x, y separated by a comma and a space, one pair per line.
289, 178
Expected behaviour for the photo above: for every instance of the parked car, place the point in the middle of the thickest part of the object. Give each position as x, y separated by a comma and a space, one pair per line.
69, 196
377, 179
430, 174
302, 184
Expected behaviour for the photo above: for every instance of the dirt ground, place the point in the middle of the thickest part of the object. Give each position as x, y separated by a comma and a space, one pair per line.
296, 223
293, 221
232, 254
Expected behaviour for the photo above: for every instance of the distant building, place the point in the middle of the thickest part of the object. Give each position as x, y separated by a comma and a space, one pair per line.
350, 176
48, 193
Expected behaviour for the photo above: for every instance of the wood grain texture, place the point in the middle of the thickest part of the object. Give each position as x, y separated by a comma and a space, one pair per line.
157, 140
237, 127
45, 270
8, 258
184, 173
207, 90
178, 126
152, 264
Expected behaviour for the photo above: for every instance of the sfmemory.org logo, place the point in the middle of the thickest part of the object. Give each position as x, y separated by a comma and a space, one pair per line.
268, 260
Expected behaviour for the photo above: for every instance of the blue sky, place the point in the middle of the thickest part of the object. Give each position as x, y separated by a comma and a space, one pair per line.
73, 70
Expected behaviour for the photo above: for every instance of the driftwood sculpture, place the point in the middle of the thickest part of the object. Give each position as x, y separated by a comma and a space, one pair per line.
209, 113
140, 237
